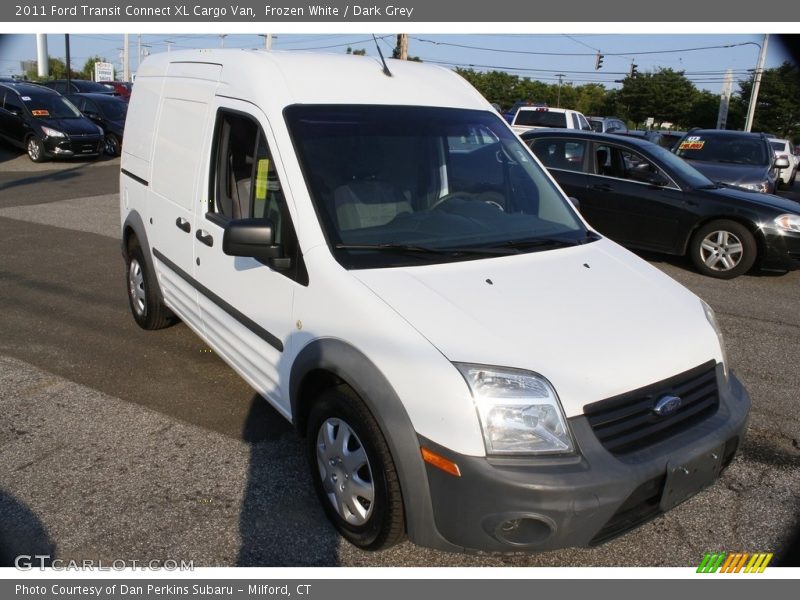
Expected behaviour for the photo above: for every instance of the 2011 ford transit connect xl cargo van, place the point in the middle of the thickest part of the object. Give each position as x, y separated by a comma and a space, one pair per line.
386, 263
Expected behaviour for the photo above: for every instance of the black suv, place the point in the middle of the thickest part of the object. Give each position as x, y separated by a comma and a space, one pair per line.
45, 124
735, 158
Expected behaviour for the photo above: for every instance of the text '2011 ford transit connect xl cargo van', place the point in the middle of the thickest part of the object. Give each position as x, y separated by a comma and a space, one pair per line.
384, 261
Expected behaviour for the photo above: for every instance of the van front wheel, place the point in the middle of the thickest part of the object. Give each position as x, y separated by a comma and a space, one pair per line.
353, 471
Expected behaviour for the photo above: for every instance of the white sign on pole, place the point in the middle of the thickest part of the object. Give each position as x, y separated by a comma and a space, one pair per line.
103, 71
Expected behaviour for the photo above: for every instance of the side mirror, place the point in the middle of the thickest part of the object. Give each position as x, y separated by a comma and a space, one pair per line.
94, 116
575, 202
253, 238
781, 163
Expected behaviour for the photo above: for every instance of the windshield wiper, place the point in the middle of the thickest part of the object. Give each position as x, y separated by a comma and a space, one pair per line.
549, 241
490, 250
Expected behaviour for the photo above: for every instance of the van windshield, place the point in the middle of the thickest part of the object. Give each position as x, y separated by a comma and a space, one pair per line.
397, 185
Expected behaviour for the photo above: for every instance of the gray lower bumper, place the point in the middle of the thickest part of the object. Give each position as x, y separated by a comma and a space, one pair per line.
583, 500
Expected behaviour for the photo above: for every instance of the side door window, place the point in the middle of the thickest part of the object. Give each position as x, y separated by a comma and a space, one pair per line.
635, 167
245, 184
562, 154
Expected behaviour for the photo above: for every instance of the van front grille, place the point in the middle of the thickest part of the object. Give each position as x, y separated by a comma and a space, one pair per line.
628, 422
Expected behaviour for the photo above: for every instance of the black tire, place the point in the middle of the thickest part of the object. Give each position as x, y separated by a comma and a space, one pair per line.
723, 249
112, 145
35, 148
373, 524
147, 308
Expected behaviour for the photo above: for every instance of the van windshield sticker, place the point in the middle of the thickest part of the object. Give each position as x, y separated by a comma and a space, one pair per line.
40, 113
26, 98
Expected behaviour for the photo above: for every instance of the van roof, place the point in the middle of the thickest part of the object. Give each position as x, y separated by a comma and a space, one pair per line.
313, 78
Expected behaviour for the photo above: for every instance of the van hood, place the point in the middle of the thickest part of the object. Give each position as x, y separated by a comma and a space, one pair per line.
595, 320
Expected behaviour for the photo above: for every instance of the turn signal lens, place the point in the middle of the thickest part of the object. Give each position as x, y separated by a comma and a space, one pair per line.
440, 462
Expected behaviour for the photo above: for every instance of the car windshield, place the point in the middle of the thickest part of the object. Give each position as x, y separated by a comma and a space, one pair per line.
686, 172
596, 125
399, 185
725, 148
541, 117
113, 109
50, 106
778, 146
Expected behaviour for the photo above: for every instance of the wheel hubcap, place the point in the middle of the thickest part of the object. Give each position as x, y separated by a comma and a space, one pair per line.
136, 287
33, 149
345, 471
721, 250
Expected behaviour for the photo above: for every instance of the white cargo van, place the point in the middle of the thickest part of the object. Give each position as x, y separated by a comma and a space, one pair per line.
389, 266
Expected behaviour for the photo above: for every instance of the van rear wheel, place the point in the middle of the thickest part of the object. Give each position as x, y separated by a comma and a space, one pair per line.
353, 471
148, 310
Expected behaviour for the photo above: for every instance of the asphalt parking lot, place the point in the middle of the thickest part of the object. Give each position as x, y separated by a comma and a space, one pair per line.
117, 443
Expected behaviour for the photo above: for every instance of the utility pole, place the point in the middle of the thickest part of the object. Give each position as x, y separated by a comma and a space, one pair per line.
558, 99
402, 46
169, 45
725, 100
126, 60
138, 51
222, 37
42, 60
751, 109
268, 41
69, 68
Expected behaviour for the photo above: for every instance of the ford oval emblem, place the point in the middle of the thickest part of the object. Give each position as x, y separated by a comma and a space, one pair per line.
666, 405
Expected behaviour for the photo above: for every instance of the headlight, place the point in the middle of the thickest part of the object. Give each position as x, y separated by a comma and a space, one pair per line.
788, 222
52, 132
518, 410
712, 319
761, 186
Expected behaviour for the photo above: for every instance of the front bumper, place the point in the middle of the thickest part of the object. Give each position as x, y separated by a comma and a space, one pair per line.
87, 145
781, 250
527, 504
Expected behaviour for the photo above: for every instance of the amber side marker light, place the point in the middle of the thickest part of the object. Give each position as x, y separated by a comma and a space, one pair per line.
440, 462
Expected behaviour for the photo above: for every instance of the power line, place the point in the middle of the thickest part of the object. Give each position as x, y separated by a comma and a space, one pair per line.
535, 53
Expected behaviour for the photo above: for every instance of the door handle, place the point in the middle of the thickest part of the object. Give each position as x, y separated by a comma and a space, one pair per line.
183, 224
602, 187
204, 237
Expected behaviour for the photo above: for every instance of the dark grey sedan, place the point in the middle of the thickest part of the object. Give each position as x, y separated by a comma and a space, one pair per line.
642, 196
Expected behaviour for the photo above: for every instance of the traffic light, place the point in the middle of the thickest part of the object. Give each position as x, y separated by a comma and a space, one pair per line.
598, 61
634, 72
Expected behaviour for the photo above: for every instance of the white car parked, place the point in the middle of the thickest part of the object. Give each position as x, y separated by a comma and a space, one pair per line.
389, 266
537, 117
784, 148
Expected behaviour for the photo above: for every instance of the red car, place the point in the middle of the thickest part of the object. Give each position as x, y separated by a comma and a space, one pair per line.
123, 88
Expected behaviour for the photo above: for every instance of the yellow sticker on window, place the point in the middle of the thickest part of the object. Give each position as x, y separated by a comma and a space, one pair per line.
261, 179
691, 145
40, 113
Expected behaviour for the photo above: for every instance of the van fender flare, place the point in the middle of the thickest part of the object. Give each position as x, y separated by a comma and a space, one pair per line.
135, 223
351, 366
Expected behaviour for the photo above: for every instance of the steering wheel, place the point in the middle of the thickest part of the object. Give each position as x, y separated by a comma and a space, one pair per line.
467, 196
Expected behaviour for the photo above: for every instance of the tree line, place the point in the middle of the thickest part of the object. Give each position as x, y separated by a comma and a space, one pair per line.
664, 94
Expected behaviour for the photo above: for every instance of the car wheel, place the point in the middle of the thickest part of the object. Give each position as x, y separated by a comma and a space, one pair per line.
723, 249
112, 145
35, 148
353, 471
148, 310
